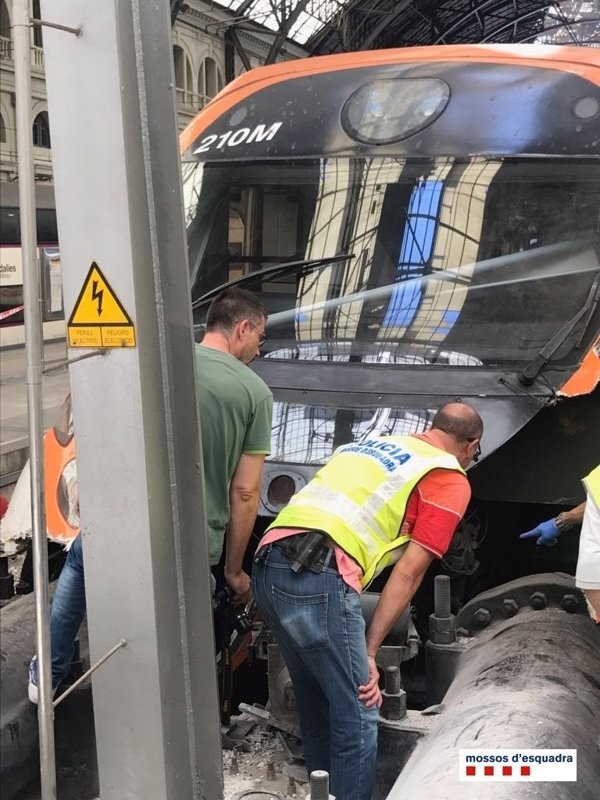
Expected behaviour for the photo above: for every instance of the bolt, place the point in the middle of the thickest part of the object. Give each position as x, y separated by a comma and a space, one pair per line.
291, 787
394, 697
441, 629
570, 603
538, 601
509, 607
271, 776
482, 618
441, 589
319, 785
392, 680
233, 767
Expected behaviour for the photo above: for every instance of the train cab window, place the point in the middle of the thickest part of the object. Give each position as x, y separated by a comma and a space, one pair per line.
446, 262
236, 227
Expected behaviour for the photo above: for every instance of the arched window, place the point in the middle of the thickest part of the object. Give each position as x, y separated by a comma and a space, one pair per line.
41, 130
183, 75
179, 63
210, 80
2, 129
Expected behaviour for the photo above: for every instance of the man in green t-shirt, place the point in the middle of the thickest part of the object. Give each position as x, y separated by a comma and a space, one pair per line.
235, 418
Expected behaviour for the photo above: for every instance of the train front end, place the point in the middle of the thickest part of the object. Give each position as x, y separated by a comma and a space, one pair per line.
420, 234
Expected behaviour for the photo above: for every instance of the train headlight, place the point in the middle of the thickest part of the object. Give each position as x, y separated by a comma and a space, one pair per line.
280, 491
386, 111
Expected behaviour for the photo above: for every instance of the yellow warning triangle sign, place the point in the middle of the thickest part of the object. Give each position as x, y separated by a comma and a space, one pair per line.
97, 304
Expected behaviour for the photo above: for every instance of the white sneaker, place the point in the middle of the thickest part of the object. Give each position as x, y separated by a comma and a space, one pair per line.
32, 689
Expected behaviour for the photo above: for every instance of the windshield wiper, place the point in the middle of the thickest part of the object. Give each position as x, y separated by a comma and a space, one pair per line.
537, 364
306, 265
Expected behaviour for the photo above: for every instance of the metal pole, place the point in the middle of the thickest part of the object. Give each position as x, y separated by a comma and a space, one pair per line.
121, 643
34, 356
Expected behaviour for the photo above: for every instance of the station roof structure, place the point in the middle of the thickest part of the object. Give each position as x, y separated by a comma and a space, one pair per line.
333, 26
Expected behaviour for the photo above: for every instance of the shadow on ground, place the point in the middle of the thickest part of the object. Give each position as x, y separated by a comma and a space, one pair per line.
75, 742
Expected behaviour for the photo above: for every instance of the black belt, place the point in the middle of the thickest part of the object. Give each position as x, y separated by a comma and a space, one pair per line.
310, 550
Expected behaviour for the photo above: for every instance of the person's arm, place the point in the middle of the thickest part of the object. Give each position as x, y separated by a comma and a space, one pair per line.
399, 590
548, 532
397, 593
244, 495
574, 516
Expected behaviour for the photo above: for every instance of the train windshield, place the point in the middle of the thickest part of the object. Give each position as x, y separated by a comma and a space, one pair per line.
475, 262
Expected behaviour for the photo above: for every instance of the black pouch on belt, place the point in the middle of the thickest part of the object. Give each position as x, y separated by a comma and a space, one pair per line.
309, 550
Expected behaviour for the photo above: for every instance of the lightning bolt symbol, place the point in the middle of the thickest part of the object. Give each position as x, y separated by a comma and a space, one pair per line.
97, 295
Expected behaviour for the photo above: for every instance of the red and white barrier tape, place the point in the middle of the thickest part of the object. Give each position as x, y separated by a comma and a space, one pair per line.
11, 311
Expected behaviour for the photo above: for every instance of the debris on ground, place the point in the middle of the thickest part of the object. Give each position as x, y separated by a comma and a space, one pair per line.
265, 767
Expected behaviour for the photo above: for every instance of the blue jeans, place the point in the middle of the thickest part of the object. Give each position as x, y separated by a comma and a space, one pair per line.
67, 612
318, 624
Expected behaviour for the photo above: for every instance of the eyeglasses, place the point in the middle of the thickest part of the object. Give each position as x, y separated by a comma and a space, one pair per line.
477, 453
262, 336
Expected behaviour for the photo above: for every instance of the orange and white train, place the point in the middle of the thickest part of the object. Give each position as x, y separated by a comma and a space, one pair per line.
423, 224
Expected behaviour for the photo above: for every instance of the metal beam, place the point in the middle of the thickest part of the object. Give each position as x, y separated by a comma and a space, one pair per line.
384, 23
482, 7
233, 44
119, 204
284, 29
176, 6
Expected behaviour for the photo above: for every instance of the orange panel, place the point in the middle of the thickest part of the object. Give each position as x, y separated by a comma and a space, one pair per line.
587, 376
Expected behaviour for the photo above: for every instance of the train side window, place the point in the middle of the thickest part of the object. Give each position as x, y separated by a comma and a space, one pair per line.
47, 232
9, 226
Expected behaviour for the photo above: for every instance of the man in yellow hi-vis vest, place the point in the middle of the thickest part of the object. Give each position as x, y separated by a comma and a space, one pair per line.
378, 502
586, 514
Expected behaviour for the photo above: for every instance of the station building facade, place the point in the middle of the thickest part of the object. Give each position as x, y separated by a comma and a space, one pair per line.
199, 55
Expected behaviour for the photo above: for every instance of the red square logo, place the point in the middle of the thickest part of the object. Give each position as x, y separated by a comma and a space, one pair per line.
470, 770
488, 770
507, 770
525, 770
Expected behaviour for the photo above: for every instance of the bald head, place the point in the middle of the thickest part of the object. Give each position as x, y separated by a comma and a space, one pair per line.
460, 421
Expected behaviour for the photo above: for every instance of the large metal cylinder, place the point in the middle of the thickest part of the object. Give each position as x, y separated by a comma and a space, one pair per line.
532, 681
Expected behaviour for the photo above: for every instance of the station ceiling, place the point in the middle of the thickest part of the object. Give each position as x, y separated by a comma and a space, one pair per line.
333, 26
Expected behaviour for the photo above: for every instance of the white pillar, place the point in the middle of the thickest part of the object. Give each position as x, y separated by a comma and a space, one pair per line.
119, 205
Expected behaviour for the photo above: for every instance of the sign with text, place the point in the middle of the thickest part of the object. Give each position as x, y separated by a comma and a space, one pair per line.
99, 318
517, 765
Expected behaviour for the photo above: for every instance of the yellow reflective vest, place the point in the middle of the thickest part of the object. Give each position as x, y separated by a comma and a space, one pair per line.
592, 485
359, 498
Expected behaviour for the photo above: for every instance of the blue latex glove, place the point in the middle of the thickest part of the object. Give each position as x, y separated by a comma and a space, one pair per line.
547, 533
